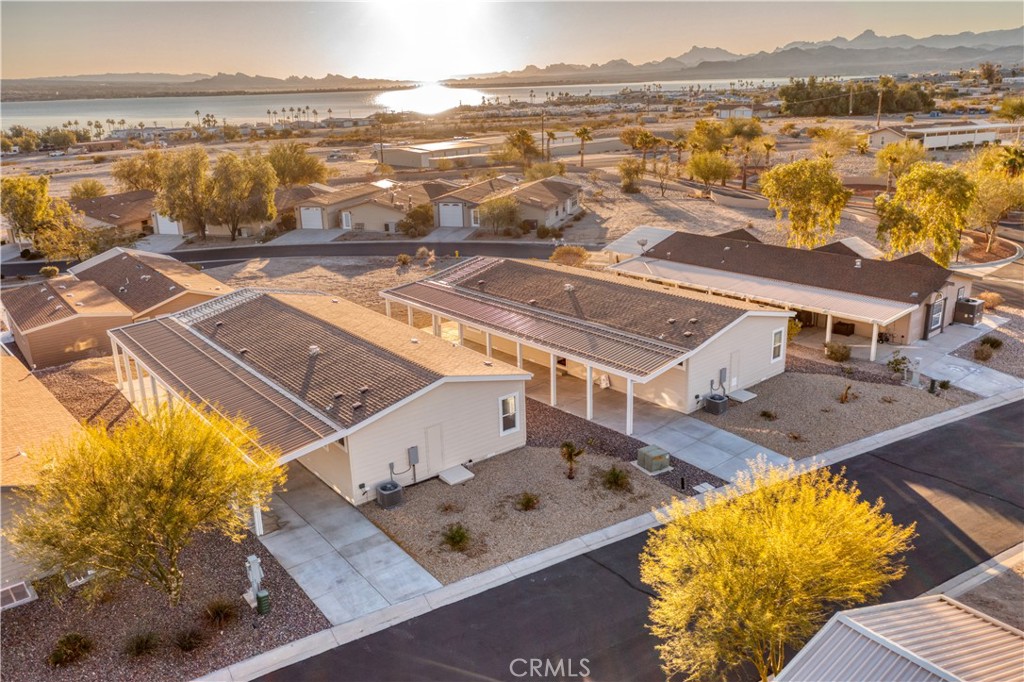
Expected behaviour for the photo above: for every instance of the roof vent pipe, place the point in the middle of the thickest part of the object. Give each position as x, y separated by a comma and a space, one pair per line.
314, 350
856, 263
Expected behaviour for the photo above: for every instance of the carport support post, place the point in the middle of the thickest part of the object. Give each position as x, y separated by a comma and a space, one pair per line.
554, 380
874, 341
828, 328
629, 407
129, 381
142, 388
387, 307
156, 395
519, 355
462, 334
257, 520
436, 324
590, 392
117, 366
408, 314
490, 348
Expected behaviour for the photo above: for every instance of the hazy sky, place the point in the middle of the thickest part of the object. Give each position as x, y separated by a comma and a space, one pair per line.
426, 39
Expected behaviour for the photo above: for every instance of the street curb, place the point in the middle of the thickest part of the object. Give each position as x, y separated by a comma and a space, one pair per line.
994, 265
315, 644
980, 574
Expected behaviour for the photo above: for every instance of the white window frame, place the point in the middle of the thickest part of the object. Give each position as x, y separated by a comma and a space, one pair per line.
781, 345
32, 596
938, 310
502, 431
474, 217
346, 220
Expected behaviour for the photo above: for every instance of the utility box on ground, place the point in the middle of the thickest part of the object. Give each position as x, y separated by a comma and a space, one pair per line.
969, 311
653, 459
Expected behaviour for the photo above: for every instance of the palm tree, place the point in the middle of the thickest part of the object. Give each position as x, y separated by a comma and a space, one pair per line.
745, 148
316, 116
121, 123
196, 112
551, 138
769, 147
680, 146
586, 135
269, 120
570, 453
1013, 160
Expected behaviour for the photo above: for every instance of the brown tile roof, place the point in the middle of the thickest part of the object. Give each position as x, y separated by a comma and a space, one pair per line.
544, 193
143, 280
477, 192
742, 233
287, 198
120, 210
840, 248
890, 280
346, 195
31, 417
57, 299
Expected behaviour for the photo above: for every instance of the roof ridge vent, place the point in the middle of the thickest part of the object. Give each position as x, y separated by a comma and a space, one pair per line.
568, 286
693, 320
671, 320
338, 395
50, 298
314, 350
356, 406
687, 333
243, 351
364, 389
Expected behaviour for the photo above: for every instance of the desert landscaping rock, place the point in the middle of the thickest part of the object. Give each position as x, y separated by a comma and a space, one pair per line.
1010, 357
1001, 597
86, 389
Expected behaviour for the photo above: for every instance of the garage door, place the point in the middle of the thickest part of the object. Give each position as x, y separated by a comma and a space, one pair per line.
311, 219
451, 215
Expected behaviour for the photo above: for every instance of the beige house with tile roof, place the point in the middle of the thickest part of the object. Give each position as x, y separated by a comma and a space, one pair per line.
355, 397
30, 417
548, 201
366, 207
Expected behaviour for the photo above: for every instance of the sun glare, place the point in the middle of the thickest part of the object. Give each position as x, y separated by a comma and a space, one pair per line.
429, 98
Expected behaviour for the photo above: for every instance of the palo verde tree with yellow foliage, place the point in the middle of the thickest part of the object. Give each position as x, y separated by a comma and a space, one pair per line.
813, 196
760, 566
128, 502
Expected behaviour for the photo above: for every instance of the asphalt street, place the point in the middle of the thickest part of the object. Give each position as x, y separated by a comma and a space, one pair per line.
963, 484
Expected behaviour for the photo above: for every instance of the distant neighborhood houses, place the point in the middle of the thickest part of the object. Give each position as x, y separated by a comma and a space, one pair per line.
945, 134
371, 207
744, 110
549, 201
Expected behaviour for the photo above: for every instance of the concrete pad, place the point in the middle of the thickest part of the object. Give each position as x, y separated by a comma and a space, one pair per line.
293, 546
350, 600
729, 442
729, 469
342, 526
456, 475
694, 428
403, 581
669, 439
321, 575
379, 620
702, 455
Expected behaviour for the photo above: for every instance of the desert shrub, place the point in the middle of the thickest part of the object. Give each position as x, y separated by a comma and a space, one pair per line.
189, 639
616, 479
570, 255
983, 353
444, 164
847, 395
31, 254
847, 370
449, 507
527, 501
287, 222
69, 648
945, 384
888, 399
49, 271
98, 158
992, 342
768, 415
403, 259
456, 537
512, 232
992, 299
555, 232
422, 253
527, 226
219, 612
839, 352
793, 328
796, 436
141, 644
543, 232
898, 363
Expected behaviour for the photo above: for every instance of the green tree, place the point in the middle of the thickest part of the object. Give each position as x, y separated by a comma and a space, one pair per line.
544, 169
126, 503
500, 213
662, 169
646, 142
768, 144
25, 203
833, 143
1012, 160
570, 453
812, 194
760, 566
63, 236
989, 72
294, 166
748, 129
88, 188
418, 221
242, 191
896, 158
186, 192
585, 135
710, 167
997, 191
1011, 109
630, 172
708, 136
140, 171
630, 135
928, 212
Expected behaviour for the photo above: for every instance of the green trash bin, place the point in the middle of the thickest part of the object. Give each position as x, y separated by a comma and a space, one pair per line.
263, 602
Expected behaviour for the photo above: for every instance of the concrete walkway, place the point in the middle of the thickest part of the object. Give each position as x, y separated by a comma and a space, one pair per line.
376, 621
159, 243
448, 234
346, 565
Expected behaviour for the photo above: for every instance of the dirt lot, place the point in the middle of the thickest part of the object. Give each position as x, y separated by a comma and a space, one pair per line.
1010, 357
86, 388
1001, 597
499, 532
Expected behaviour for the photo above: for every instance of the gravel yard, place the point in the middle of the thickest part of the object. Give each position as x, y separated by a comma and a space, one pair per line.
809, 419
499, 532
1001, 597
214, 568
86, 389
1010, 357
813, 361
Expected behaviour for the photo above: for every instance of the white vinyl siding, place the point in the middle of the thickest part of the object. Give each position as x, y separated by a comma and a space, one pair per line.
777, 341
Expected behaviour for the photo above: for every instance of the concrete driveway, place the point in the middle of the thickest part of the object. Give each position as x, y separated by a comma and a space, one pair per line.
346, 565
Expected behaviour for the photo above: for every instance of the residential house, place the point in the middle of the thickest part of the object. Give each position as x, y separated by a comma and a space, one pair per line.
931, 639
744, 110
549, 201
149, 284
944, 134
96, 146
669, 347
32, 418
371, 207
125, 212
834, 287
62, 319
355, 397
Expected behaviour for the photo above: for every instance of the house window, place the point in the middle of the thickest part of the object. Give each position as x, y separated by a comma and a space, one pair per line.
474, 217
961, 293
777, 345
935, 322
509, 414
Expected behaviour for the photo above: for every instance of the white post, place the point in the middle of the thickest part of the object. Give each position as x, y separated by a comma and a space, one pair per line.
156, 396
142, 387
828, 328
130, 380
590, 392
519, 355
117, 366
257, 520
554, 380
490, 348
408, 314
387, 307
436, 323
874, 341
462, 334
629, 407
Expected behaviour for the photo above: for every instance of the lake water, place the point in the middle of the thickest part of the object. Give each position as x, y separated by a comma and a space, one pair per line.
177, 111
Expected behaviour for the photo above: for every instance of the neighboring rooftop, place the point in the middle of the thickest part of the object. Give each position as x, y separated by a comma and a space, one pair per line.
61, 298
143, 280
927, 639
544, 193
479, 191
32, 417
126, 208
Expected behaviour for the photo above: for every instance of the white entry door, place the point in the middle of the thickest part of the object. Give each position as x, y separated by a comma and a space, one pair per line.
346, 220
451, 215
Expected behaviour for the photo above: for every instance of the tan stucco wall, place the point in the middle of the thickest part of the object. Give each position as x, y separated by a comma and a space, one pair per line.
74, 339
186, 300
373, 216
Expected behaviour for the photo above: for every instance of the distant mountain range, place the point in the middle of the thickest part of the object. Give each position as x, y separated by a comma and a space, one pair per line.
866, 54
